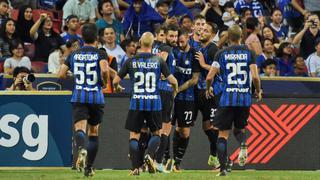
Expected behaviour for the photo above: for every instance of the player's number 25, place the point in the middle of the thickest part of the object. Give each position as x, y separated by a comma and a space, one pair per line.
149, 79
90, 70
236, 69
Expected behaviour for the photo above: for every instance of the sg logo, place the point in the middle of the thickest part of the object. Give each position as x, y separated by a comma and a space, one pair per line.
31, 140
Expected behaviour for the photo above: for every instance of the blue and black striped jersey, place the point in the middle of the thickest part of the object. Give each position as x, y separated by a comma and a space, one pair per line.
157, 48
145, 70
209, 52
195, 44
84, 63
234, 63
186, 64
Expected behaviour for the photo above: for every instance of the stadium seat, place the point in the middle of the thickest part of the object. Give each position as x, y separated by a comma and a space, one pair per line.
1, 67
29, 50
14, 14
38, 66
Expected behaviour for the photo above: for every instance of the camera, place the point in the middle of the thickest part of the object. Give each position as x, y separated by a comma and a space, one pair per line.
29, 78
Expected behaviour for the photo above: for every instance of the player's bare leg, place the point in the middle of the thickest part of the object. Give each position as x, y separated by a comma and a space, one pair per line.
212, 134
92, 148
80, 138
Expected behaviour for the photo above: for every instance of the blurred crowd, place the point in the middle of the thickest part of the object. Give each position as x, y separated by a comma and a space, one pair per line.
40, 34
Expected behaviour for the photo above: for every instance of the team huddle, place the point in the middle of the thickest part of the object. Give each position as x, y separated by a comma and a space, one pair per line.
173, 75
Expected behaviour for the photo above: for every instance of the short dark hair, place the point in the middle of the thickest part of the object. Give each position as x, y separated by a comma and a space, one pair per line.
213, 26
89, 33
199, 16
183, 31
162, 27
101, 3
269, 62
4, 1
14, 44
125, 43
171, 27
251, 23
185, 17
70, 42
19, 70
276, 9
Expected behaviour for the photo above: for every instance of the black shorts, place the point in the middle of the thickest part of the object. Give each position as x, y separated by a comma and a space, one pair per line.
183, 113
207, 107
227, 115
138, 119
93, 113
167, 105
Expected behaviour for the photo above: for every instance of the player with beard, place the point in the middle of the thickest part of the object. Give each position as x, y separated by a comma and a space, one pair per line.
198, 23
187, 70
166, 95
206, 106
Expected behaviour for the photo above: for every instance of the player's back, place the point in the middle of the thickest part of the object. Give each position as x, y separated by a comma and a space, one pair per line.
145, 72
234, 64
84, 63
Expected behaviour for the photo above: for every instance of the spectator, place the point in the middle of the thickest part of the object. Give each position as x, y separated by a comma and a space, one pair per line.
72, 27
172, 10
106, 10
290, 14
186, 22
115, 4
285, 62
130, 47
313, 61
245, 14
268, 33
253, 40
193, 5
7, 35
277, 26
307, 36
45, 38
268, 53
162, 7
269, 68
299, 68
140, 18
24, 23
18, 59
20, 80
4, 7
81, 8
254, 5
213, 13
312, 6
230, 17
108, 43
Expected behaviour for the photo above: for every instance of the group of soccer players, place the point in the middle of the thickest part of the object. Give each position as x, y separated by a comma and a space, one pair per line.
174, 75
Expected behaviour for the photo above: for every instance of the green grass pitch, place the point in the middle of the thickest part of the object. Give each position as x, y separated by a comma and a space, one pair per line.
50, 174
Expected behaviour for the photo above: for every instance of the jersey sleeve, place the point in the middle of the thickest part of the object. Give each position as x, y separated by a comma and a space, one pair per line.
124, 70
103, 55
212, 53
195, 64
164, 68
216, 60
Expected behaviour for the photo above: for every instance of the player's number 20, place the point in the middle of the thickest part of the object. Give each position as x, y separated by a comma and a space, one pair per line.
149, 79
236, 69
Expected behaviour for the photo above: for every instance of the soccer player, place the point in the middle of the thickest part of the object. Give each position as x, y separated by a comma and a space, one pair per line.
187, 70
90, 68
198, 24
206, 106
166, 93
235, 64
145, 70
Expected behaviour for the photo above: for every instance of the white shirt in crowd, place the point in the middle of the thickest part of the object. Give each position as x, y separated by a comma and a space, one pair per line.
13, 63
117, 52
230, 22
313, 64
54, 62
84, 11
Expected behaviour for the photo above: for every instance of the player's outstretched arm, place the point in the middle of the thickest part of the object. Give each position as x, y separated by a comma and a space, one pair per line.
104, 67
63, 71
173, 81
256, 80
191, 82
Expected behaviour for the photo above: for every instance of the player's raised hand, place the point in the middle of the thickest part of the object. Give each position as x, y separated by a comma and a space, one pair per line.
259, 95
209, 93
118, 89
200, 57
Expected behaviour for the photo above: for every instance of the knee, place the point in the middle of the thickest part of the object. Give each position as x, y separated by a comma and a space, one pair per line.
184, 132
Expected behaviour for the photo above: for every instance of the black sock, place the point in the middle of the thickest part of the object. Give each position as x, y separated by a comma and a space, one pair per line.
153, 145
80, 138
143, 143
240, 136
213, 137
175, 143
222, 152
162, 148
182, 148
92, 149
134, 150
